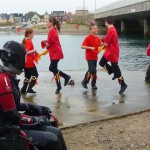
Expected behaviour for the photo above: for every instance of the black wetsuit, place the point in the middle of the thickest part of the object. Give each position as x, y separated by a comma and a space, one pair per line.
45, 137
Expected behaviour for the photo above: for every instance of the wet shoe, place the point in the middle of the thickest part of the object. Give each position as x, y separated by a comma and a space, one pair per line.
22, 91
24, 88
147, 80
67, 80
94, 87
84, 85
123, 88
31, 91
58, 90
114, 78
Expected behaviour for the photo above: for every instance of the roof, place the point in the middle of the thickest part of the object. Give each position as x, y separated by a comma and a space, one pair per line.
17, 15
58, 12
4, 16
46, 13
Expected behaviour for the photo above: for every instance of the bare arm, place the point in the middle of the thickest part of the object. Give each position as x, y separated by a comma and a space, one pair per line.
30, 52
87, 47
47, 45
105, 44
102, 42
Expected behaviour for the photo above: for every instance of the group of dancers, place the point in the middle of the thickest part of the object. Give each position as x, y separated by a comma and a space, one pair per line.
15, 58
92, 43
53, 46
111, 49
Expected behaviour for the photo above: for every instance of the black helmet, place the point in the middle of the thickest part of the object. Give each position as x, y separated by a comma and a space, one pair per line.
13, 57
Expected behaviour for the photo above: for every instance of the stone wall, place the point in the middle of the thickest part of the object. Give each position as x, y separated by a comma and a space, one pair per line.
87, 19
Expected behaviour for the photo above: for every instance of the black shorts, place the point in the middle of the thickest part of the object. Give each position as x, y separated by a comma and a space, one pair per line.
30, 72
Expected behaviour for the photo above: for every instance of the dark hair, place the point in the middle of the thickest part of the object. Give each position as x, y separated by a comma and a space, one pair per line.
27, 32
110, 19
91, 26
55, 22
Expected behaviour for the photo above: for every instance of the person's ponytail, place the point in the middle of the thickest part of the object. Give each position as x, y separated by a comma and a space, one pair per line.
55, 23
58, 26
24, 41
26, 34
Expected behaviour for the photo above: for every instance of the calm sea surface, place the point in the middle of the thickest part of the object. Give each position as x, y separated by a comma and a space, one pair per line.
132, 57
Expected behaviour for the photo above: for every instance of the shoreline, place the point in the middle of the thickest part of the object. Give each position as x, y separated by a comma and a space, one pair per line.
66, 29
45, 33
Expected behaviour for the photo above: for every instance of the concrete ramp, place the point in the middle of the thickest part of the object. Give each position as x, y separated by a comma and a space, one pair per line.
76, 105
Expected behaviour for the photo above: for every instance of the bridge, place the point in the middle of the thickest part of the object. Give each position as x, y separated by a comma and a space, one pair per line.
129, 15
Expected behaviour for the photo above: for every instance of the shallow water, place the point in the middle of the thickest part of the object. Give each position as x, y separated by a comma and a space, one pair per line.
132, 56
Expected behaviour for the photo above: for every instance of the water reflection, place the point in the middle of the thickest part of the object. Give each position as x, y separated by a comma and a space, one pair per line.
61, 104
122, 98
29, 98
91, 100
61, 109
59, 97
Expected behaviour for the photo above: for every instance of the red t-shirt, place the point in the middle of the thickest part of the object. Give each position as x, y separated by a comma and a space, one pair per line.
91, 41
55, 50
112, 50
30, 57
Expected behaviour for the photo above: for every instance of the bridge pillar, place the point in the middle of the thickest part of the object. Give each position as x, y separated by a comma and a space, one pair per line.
123, 26
146, 26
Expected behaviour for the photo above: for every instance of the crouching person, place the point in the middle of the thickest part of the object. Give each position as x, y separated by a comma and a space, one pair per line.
44, 136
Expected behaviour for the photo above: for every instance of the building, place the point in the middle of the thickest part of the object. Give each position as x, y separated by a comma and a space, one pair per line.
46, 16
82, 12
33, 18
4, 18
18, 18
60, 15
11, 18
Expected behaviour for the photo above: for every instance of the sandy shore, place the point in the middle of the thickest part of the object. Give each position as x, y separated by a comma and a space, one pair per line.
65, 29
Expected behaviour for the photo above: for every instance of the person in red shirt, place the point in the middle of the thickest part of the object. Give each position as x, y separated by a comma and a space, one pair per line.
30, 70
147, 77
55, 52
91, 44
112, 53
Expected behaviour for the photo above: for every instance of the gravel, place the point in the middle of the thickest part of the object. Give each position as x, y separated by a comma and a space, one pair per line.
127, 133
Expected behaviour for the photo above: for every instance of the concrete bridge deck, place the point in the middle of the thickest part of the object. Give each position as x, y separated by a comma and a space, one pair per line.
125, 10
124, 7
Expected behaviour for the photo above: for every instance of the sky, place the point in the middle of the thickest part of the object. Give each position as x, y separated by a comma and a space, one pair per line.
41, 6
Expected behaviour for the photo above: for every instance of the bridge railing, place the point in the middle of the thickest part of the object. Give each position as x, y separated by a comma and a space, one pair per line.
118, 4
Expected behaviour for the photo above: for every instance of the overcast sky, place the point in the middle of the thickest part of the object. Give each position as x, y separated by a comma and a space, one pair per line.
41, 6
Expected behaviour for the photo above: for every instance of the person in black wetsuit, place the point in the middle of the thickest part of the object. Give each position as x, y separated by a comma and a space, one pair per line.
45, 136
